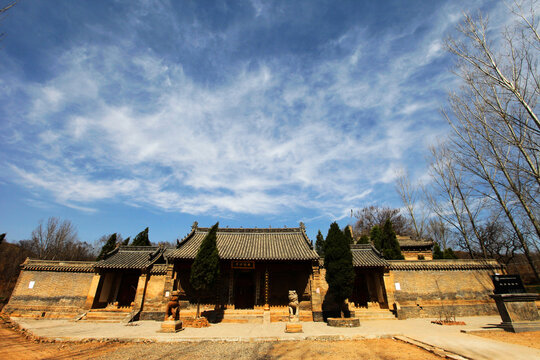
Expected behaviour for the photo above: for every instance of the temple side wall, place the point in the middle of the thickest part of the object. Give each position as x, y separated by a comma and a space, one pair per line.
155, 301
440, 293
53, 295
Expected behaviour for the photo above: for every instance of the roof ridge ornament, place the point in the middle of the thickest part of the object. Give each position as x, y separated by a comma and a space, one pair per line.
195, 225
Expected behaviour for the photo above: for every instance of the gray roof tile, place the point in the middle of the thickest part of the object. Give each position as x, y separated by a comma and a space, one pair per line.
52, 265
366, 256
131, 257
250, 244
457, 264
408, 242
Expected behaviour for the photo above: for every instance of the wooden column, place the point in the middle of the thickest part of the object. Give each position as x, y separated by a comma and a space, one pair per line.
231, 287
266, 289
257, 287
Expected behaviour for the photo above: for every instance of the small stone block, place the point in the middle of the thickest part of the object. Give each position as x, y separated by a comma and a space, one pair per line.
171, 326
343, 322
293, 328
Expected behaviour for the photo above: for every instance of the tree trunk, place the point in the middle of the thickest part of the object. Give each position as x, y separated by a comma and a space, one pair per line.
198, 308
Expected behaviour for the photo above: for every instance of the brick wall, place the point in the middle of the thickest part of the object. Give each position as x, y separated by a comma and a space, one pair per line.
434, 293
53, 294
154, 299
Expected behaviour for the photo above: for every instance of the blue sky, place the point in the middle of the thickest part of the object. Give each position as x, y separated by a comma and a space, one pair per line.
119, 115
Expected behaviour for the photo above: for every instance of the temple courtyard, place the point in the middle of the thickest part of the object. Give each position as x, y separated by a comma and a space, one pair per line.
374, 339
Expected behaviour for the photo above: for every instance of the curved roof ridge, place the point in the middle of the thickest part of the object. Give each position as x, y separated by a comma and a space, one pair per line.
308, 241
253, 230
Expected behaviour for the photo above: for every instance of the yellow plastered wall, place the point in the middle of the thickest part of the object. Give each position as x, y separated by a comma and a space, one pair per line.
428, 293
49, 293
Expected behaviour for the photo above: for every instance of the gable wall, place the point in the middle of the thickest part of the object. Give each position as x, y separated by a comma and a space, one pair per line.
55, 294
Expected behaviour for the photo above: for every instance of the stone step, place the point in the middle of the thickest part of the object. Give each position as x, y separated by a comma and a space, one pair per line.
374, 315
106, 316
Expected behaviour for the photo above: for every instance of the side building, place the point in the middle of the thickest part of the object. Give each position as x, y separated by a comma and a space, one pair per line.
259, 267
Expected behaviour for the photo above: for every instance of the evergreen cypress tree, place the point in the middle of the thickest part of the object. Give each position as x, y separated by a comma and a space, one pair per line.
319, 244
338, 264
437, 253
348, 234
141, 239
376, 237
109, 246
364, 239
126, 241
205, 269
3, 236
449, 254
390, 245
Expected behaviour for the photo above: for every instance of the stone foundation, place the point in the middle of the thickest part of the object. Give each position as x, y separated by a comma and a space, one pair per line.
344, 322
171, 326
518, 312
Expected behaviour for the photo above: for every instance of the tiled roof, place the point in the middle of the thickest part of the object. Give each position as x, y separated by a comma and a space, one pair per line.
457, 264
131, 257
250, 244
159, 269
366, 256
408, 242
52, 265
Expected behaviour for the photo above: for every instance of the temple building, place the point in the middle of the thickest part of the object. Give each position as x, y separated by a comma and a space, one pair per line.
258, 268
415, 249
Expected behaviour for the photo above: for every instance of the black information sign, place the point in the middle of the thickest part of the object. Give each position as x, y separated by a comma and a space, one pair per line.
507, 284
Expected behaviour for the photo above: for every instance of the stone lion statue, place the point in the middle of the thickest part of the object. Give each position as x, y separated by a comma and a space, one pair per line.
293, 304
173, 307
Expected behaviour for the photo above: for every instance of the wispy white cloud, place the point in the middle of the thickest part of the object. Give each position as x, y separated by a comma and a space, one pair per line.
118, 123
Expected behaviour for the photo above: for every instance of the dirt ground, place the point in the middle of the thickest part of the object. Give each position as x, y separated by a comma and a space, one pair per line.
15, 345
530, 339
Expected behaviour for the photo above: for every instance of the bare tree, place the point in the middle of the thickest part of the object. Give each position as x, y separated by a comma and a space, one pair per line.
501, 242
5, 9
369, 216
496, 128
410, 195
451, 199
438, 231
57, 240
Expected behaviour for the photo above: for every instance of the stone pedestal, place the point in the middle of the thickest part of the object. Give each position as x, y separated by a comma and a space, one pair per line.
293, 328
171, 326
344, 322
518, 312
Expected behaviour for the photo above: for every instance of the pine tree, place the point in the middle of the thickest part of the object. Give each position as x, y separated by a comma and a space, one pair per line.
319, 244
3, 236
126, 241
141, 239
449, 254
390, 245
338, 264
376, 237
109, 246
437, 253
364, 239
348, 234
205, 269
